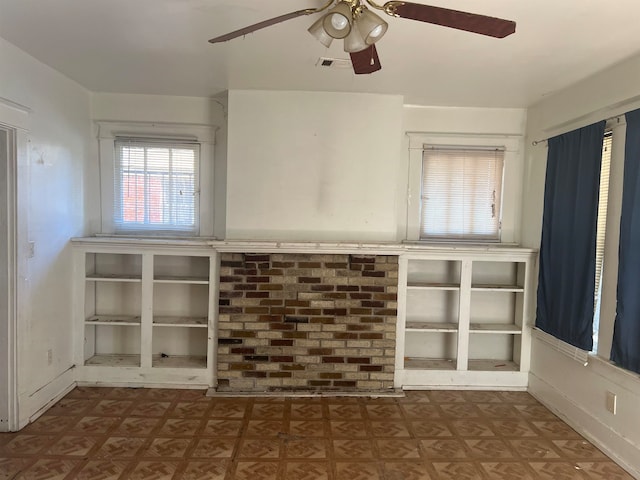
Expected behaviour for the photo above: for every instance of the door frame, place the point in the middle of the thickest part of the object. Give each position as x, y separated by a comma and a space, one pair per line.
14, 120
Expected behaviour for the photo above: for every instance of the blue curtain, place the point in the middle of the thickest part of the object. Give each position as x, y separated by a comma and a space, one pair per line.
625, 350
566, 281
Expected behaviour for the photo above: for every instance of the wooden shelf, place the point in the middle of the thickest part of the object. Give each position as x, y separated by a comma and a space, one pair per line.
114, 320
496, 288
433, 286
190, 322
434, 327
181, 279
415, 363
94, 277
500, 328
113, 361
179, 361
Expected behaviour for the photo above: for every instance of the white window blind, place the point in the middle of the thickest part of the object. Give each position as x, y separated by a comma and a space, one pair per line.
461, 193
602, 206
603, 202
156, 186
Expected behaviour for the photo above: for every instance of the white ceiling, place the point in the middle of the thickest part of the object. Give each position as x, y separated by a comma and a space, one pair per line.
160, 47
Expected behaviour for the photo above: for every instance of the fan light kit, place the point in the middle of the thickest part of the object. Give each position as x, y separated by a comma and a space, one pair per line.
360, 28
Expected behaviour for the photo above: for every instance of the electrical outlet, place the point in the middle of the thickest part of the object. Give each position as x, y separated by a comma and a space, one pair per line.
612, 402
49, 357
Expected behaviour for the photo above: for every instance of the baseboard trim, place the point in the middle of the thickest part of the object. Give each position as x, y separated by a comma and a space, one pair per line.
624, 453
35, 404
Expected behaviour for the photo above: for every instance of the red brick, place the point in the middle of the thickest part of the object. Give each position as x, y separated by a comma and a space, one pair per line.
360, 296
256, 295
281, 343
358, 328
370, 368
282, 326
373, 274
320, 351
365, 360
372, 288
294, 335
242, 334
345, 336
332, 359
270, 286
256, 310
243, 350
322, 288
279, 374
281, 358
297, 303
349, 288
344, 383
370, 336
253, 374
359, 311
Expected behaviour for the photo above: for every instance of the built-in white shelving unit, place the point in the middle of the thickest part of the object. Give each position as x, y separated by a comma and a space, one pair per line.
463, 320
145, 311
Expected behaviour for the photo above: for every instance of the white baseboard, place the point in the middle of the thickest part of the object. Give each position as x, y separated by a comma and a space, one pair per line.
626, 454
31, 406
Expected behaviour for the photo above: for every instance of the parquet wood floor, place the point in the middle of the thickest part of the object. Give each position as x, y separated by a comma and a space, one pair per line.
123, 433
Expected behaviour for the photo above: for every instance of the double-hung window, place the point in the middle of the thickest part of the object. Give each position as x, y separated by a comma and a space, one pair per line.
156, 186
461, 194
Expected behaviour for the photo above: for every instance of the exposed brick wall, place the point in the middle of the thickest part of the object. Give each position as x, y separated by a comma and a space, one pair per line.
306, 322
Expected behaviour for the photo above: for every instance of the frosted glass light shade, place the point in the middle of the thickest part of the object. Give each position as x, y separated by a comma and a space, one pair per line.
318, 31
354, 41
371, 26
337, 23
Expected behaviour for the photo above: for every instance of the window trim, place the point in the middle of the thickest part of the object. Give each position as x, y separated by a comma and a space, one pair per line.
108, 131
513, 145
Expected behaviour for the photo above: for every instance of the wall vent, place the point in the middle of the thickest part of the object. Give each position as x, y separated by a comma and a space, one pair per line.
341, 63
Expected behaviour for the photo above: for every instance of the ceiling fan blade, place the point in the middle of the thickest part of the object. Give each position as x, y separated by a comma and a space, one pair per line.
260, 25
470, 22
366, 61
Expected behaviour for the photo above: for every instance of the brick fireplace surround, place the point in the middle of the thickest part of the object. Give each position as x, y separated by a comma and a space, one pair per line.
306, 322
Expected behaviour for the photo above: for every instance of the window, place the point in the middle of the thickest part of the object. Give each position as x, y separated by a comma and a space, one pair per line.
603, 202
157, 179
461, 195
156, 186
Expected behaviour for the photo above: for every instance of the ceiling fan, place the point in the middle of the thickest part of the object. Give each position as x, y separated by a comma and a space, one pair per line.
360, 28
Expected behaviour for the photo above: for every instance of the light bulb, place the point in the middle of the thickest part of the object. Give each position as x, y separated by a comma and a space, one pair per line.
376, 32
338, 21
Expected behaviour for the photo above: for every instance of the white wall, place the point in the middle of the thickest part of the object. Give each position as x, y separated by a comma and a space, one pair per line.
162, 109
313, 166
51, 210
578, 393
